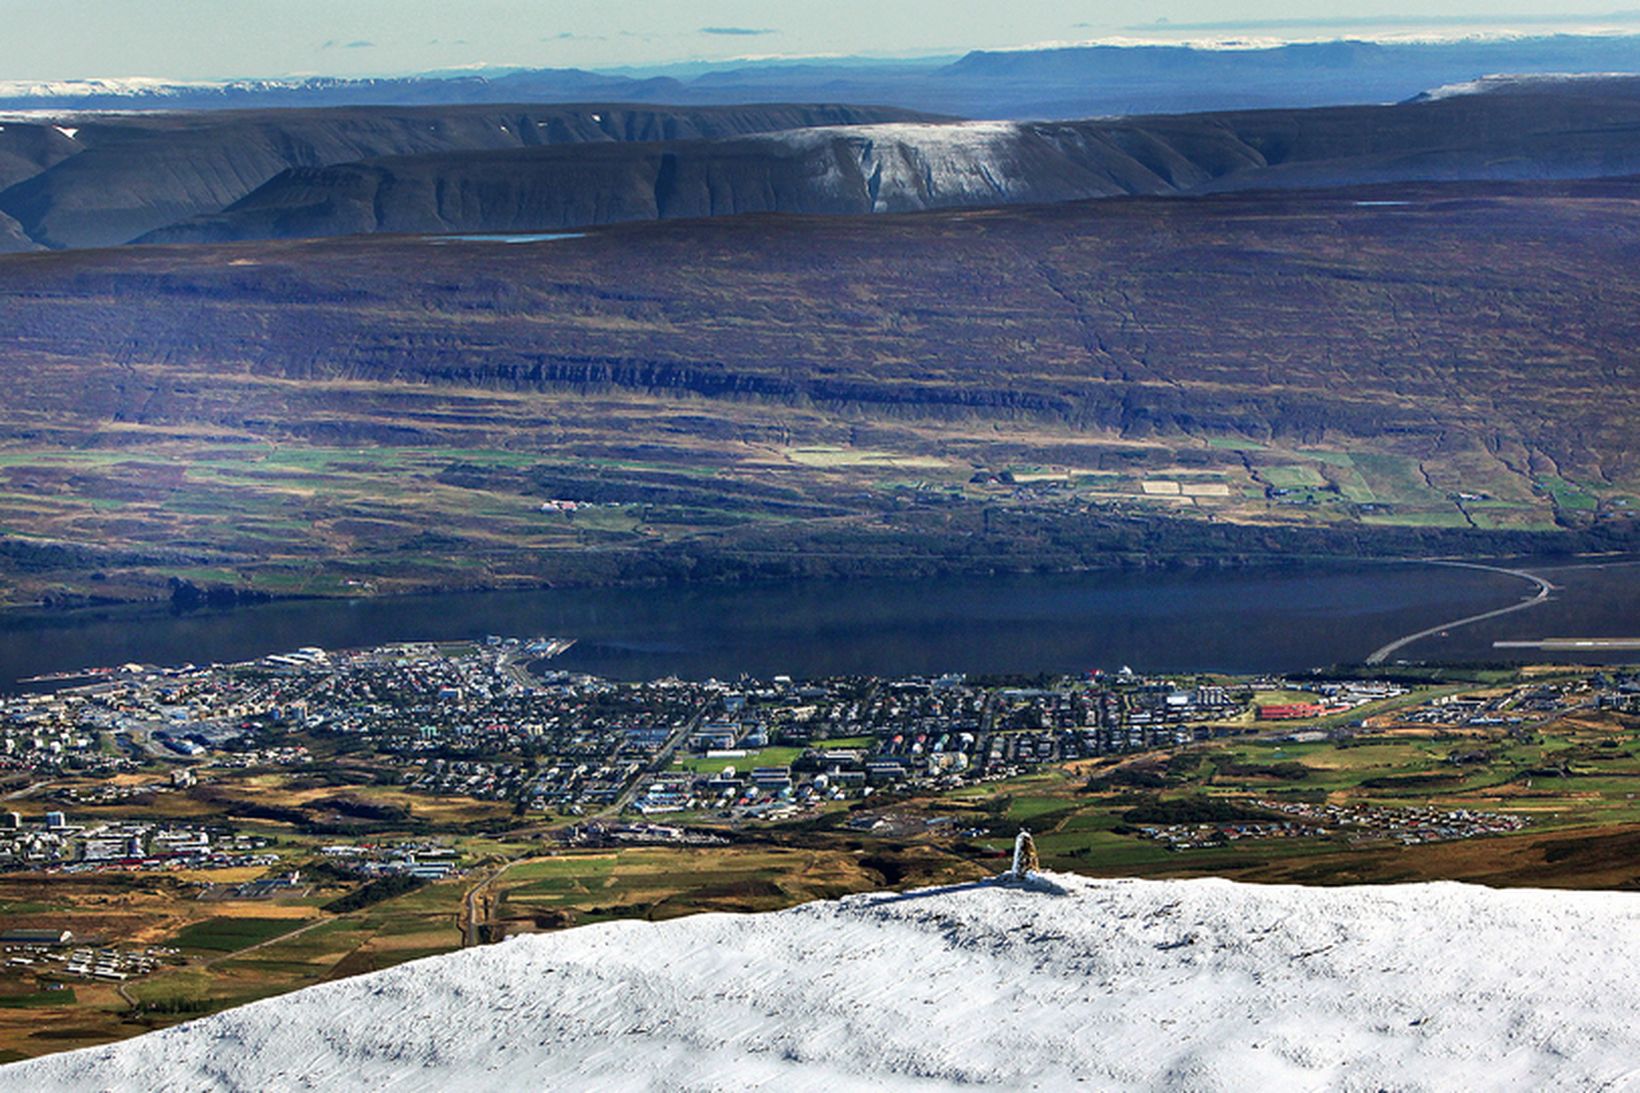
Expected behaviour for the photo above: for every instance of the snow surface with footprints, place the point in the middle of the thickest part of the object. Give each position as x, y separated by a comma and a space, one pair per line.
1064, 983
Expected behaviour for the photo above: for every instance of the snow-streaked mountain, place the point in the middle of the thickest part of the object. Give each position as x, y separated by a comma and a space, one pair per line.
1198, 985
1582, 130
826, 170
100, 179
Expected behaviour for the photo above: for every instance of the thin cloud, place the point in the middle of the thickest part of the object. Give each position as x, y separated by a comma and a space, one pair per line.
1344, 22
738, 32
358, 43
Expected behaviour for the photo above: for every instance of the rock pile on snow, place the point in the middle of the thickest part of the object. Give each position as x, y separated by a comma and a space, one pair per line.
1070, 983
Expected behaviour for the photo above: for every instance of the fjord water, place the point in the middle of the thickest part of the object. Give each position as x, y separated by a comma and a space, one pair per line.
1239, 620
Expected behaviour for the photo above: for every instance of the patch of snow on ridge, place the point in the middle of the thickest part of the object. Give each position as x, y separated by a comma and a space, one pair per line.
1198, 985
1513, 82
907, 165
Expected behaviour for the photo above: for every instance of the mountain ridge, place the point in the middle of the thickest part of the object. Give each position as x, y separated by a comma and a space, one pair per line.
1583, 129
105, 179
1199, 984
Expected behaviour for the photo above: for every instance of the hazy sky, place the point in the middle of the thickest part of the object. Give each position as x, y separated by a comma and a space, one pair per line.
56, 39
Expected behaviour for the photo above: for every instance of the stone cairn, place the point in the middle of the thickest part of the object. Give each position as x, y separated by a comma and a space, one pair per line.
1025, 859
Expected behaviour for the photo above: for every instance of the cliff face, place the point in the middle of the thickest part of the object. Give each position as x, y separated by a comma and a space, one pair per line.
106, 179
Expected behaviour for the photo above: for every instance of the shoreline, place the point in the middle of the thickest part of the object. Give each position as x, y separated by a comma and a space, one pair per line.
1310, 612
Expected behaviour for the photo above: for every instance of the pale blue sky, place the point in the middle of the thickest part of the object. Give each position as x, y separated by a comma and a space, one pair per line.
179, 39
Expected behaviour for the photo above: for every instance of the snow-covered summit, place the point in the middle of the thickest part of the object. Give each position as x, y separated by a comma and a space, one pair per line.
1073, 983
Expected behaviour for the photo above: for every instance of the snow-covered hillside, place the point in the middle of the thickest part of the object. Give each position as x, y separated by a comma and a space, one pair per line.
126, 87
913, 166
1081, 984
1531, 81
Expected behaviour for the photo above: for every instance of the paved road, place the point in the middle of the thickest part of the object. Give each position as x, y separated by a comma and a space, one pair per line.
470, 903
1378, 656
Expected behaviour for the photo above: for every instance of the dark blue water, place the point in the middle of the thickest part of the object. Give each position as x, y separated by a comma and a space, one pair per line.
1243, 620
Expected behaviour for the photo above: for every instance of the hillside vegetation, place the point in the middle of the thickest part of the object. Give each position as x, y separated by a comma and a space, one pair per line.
1391, 370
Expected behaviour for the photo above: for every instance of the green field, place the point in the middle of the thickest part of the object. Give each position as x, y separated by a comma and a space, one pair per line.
38, 999
229, 935
760, 757
1293, 476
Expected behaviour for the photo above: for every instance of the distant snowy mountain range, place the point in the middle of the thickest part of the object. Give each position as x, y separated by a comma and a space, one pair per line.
1067, 983
1052, 82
